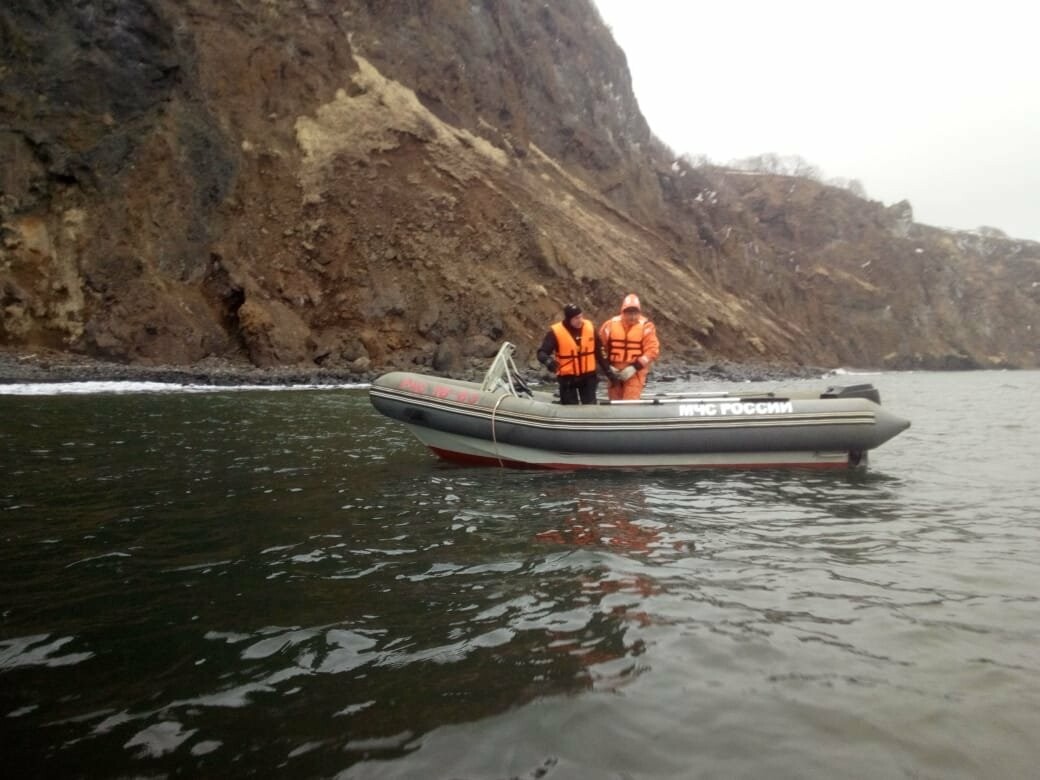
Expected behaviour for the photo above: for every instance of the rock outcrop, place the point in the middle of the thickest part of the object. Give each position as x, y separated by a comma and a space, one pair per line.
367, 185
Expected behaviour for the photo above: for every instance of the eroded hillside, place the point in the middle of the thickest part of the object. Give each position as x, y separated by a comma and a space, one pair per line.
364, 185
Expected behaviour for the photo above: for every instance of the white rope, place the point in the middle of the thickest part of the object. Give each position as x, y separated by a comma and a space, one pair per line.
494, 437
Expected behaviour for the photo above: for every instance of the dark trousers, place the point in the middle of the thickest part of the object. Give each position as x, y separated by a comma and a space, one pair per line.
578, 389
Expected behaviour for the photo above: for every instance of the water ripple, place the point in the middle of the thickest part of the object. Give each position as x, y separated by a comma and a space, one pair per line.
365, 610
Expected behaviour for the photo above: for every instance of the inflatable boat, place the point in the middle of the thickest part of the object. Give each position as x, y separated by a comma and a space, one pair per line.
502, 422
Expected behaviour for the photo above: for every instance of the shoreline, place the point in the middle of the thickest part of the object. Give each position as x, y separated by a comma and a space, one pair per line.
42, 368
53, 368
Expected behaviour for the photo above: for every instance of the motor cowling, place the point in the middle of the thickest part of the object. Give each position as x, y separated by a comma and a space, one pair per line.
867, 391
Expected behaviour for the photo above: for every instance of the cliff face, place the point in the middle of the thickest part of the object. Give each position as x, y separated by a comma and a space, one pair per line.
367, 185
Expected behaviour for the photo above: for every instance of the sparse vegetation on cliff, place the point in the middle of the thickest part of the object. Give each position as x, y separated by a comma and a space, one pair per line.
349, 186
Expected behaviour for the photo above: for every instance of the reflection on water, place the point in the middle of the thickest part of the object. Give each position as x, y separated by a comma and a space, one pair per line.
286, 581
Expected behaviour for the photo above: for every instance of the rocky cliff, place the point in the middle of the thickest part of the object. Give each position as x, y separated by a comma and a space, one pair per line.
363, 184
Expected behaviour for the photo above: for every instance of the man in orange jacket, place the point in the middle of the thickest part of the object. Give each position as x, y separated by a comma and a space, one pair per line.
630, 340
571, 350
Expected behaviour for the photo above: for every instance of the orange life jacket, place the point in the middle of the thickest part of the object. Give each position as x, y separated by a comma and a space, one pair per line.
623, 346
575, 358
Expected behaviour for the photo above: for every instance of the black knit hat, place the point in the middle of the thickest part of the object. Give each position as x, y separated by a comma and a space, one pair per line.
571, 310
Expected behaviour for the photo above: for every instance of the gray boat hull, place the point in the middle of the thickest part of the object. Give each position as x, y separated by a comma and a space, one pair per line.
461, 422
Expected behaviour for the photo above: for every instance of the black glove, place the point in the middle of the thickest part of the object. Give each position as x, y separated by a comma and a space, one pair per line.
551, 366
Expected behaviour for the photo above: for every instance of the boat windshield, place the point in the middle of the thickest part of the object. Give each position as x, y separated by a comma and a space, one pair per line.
503, 375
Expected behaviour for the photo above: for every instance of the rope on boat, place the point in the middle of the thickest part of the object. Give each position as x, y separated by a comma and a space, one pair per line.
494, 438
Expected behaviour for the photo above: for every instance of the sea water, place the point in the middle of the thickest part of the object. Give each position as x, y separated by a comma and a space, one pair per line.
263, 582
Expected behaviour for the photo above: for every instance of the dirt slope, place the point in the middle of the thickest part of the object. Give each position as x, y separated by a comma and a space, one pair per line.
363, 185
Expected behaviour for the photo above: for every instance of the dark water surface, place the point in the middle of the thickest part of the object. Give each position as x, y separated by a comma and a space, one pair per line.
284, 583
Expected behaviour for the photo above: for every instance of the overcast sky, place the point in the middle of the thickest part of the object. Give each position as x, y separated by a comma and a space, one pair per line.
934, 102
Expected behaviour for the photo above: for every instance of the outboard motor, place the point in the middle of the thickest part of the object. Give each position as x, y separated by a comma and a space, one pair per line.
867, 391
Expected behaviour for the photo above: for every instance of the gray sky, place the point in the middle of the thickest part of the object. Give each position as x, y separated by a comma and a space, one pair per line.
934, 102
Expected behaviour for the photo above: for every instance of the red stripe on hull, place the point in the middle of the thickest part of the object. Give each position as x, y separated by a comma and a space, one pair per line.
479, 460
467, 459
